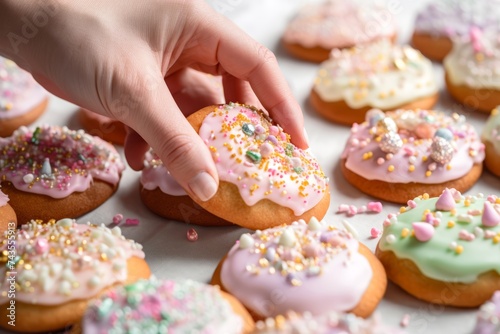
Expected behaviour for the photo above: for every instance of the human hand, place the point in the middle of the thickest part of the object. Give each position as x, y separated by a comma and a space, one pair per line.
122, 59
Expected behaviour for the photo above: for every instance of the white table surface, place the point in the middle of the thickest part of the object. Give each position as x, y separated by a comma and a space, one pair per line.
171, 256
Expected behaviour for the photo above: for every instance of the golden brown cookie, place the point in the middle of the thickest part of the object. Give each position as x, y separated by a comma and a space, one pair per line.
437, 251
432, 46
376, 75
264, 180
480, 99
54, 299
491, 140
282, 277
8, 219
22, 99
53, 172
104, 127
396, 156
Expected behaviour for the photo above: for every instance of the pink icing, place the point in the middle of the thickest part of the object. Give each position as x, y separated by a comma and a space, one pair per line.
288, 176
272, 276
3, 199
19, 92
56, 161
155, 175
77, 263
423, 231
338, 24
405, 156
490, 215
445, 202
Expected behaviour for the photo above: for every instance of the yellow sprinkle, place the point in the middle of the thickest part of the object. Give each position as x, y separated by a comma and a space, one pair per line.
428, 173
497, 201
424, 158
367, 155
390, 168
466, 202
459, 249
405, 232
402, 209
494, 112
450, 224
453, 212
479, 57
411, 168
425, 196
496, 239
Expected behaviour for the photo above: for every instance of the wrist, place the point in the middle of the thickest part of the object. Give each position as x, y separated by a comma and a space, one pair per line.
21, 23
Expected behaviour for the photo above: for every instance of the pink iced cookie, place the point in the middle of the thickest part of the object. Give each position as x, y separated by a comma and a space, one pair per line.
303, 267
22, 99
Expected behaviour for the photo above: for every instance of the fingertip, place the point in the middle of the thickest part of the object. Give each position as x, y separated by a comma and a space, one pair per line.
135, 148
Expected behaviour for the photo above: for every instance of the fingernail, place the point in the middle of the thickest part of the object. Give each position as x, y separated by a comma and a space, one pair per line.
306, 137
203, 186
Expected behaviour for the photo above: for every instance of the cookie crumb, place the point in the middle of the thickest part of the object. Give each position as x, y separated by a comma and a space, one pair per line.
192, 235
117, 219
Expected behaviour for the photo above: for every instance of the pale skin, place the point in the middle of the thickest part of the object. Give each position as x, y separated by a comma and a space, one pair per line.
134, 61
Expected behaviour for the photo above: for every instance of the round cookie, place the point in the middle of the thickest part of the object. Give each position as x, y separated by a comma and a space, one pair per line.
53, 172
154, 306
443, 249
8, 219
328, 323
471, 69
101, 126
488, 317
321, 27
22, 99
377, 75
441, 21
264, 180
57, 267
303, 267
491, 139
402, 154
165, 197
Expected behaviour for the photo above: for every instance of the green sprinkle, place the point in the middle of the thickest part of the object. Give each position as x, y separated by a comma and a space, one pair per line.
105, 308
289, 150
254, 156
298, 170
34, 138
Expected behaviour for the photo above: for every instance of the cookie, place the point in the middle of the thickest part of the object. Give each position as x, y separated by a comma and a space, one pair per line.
165, 197
154, 306
303, 267
402, 154
442, 249
53, 172
57, 267
22, 99
318, 28
101, 126
441, 21
377, 75
264, 180
471, 70
491, 139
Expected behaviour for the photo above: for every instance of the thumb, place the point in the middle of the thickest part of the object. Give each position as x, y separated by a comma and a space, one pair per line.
158, 120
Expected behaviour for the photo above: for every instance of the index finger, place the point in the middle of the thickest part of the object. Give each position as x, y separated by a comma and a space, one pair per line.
246, 59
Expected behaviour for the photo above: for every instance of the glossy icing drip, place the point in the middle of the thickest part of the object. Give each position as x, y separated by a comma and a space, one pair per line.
491, 130
260, 160
155, 175
474, 60
61, 261
19, 92
56, 161
328, 323
456, 17
338, 24
156, 306
464, 241
302, 267
407, 146
379, 74
488, 317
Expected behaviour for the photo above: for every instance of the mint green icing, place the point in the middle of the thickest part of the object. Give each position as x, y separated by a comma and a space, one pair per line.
435, 258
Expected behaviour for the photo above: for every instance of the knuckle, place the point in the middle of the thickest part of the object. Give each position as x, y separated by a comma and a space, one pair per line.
177, 152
